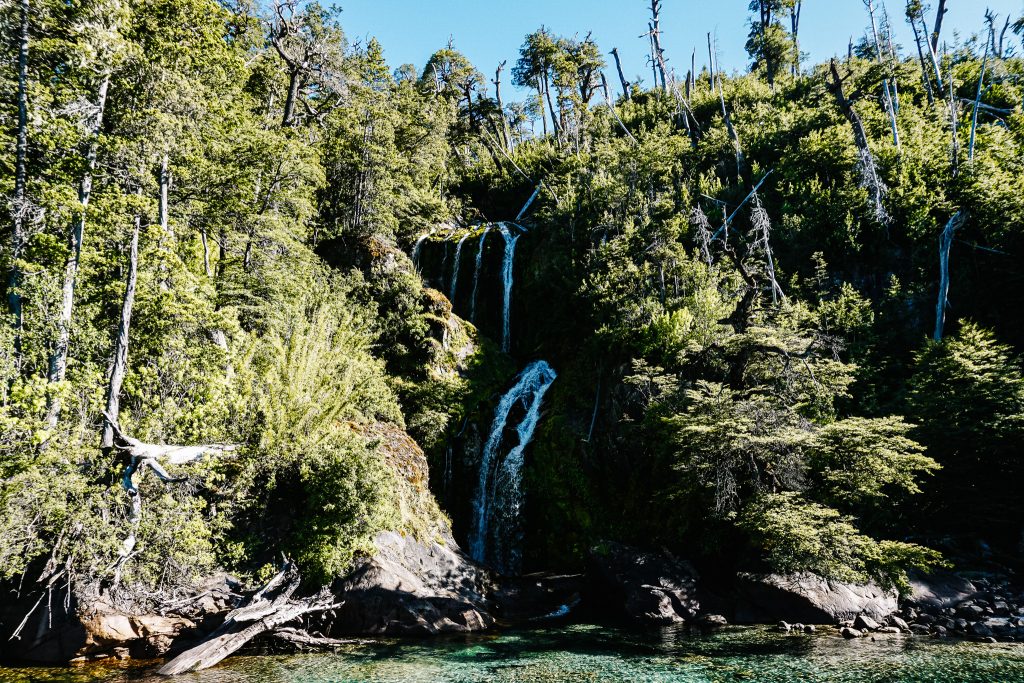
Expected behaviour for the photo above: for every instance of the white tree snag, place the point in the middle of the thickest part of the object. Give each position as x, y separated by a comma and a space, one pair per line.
945, 244
59, 357
152, 456
887, 89
120, 362
977, 102
270, 608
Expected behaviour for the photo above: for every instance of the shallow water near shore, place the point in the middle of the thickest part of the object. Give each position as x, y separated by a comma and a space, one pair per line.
582, 652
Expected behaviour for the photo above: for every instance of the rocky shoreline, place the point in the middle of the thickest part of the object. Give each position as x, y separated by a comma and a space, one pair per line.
410, 588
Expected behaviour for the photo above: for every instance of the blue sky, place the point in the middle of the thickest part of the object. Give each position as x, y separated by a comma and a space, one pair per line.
488, 31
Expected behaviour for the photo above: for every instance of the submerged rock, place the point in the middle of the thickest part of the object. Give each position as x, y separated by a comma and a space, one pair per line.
649, 588
806, 597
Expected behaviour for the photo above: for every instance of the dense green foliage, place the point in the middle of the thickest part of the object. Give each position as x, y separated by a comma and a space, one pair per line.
756, 391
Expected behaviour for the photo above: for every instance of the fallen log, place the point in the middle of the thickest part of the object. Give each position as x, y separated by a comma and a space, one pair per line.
270, 608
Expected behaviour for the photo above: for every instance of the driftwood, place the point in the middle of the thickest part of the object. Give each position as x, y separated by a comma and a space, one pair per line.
266, 612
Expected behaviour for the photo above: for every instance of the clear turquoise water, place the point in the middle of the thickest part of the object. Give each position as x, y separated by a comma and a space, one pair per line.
597, 653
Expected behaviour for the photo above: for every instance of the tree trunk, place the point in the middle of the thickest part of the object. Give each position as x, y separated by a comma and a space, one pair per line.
622, 77
794, 20
163, 216
932, 55
556, 129
924, 65
505, 132
977, 101
938, 25
658, 54
19, 205
120, 363
294, 78
59, 356
887, 91
945, 244
869, 175
741, 162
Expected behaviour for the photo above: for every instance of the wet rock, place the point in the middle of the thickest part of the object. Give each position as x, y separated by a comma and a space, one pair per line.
849, 633
889, 629
865, 622
540, 596
783, 626
898, 623
712, 621
808, 598
970, 611
649, 587
919, 629
939, 589
809, 628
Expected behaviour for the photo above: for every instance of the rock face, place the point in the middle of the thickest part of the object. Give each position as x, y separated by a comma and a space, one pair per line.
413, 588
939, 590
650, 588
808, 598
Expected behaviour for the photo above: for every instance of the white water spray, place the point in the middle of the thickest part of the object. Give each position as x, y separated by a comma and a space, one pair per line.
500, 483
455, 270
476, 273
507, 271
416, 250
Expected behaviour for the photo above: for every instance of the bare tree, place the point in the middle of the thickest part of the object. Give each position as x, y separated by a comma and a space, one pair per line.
119, 365
312, 51
887, 87
505, 132
945, 244
977, 97
59, 357
622, 77
866, 161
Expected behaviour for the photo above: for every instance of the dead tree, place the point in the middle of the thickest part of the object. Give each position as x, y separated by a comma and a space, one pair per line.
58, 361
119, 365
622, 78
142, 456
19, 201
939, 13
890, 105
741, 162
505, 132
977, 98
870, 180
657, 52
945, 244
912, 16
267, 611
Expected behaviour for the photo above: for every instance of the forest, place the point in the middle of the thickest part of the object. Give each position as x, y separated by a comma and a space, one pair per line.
768, 320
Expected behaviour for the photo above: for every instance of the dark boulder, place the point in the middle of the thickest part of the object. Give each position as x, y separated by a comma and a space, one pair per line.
413, 588
537, 597
808, 598
939, 590
647, 587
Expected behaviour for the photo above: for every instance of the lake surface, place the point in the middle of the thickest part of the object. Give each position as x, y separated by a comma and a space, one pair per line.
599, 653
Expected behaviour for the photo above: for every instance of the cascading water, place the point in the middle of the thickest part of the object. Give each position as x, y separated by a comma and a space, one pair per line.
495, 536
476, 273
416, 250
455, 269
507, 271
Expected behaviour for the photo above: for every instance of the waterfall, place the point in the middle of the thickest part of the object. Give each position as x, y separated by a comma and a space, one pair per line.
506, 277
455, 270
476, 274
416, 250
499, 496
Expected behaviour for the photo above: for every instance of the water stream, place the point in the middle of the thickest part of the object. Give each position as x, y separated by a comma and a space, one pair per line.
495, 534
